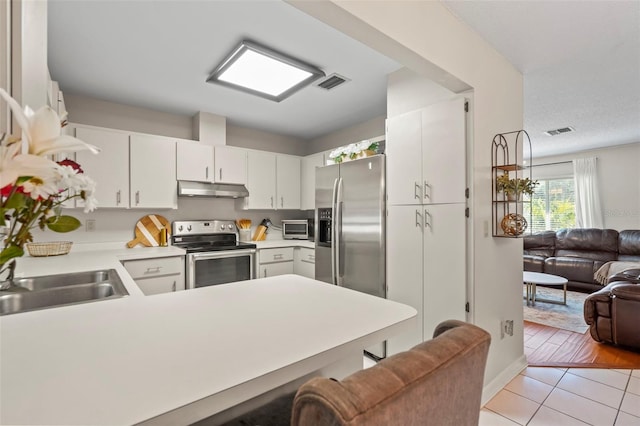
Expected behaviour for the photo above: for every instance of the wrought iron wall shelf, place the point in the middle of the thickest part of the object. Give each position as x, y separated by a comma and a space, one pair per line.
507, 158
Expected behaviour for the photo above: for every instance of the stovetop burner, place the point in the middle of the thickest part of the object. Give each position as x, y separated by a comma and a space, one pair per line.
207, 235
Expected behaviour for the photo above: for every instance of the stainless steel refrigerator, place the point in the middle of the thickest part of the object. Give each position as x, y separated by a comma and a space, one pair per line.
350, 226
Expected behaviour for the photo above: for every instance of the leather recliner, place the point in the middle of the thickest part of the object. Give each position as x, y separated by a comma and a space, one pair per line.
613, 313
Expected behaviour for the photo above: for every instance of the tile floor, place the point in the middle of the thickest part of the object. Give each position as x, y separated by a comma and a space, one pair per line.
542, 396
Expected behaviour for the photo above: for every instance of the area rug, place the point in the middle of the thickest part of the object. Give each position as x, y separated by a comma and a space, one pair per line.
569, 317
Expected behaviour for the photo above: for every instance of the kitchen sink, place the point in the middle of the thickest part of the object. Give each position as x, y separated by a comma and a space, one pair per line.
50, 291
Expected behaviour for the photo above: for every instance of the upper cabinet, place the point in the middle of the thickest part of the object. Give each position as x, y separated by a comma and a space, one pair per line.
230, 165
288, 181
153, 172
308, 167
194, 161
110, 168
261, 180
426, 153
273, 181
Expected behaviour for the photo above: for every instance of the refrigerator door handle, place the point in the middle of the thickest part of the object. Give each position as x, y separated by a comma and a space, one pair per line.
334, 279
337, 228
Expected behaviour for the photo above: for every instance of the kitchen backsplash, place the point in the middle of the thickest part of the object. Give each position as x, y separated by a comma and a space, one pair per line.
117, 225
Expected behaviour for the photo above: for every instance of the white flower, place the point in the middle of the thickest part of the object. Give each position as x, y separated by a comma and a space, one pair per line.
40, 188
13, 165
363, 145
41, 130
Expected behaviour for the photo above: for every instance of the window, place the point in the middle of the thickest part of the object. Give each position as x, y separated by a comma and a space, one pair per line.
553, 205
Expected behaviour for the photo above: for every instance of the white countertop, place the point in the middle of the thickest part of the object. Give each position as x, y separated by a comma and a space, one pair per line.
284, 243
127, 360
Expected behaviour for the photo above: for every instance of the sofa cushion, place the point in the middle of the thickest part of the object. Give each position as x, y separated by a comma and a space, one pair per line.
533, 263
629, 245
540, 244
588, 243
572, 268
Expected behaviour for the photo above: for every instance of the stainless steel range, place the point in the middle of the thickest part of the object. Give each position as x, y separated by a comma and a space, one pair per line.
214, 254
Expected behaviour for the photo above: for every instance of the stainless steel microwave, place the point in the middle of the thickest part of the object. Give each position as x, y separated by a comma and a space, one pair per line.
297, 229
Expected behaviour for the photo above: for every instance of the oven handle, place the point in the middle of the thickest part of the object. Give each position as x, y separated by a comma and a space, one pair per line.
222, 254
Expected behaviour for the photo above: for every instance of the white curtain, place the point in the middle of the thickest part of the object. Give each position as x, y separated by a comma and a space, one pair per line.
588, 208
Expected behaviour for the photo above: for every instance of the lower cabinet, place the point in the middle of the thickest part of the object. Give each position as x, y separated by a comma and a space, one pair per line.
426, 267
157, 275
275, 261
304, 262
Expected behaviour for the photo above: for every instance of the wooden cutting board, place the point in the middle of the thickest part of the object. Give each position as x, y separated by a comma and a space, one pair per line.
147, 231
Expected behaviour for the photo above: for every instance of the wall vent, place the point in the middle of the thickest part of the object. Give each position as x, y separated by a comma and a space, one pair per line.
332, 81
559, 131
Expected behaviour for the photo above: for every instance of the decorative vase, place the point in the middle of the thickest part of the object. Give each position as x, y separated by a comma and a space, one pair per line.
514, 196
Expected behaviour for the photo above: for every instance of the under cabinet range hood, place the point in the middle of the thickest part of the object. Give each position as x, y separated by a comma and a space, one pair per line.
220, 190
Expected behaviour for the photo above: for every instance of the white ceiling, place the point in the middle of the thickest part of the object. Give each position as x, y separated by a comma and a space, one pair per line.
580, 60
158, 55
581, 66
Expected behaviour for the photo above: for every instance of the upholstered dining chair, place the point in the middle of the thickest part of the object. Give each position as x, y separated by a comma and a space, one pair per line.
438, 382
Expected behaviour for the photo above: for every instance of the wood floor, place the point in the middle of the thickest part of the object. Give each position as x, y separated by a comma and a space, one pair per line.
547, 346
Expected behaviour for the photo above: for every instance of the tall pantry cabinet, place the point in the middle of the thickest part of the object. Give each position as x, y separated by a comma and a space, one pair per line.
426, 216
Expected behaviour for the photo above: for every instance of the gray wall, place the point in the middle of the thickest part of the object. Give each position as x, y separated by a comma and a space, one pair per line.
365, 130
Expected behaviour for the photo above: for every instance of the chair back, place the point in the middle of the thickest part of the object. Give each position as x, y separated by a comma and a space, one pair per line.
438, 382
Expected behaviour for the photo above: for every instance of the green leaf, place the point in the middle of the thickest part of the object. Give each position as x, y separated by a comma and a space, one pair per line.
16, 201
63, 223
9, 253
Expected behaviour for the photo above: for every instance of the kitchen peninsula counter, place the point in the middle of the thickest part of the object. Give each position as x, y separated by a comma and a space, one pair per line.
175, 358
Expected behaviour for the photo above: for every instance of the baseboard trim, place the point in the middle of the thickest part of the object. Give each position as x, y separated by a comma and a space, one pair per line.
501, 380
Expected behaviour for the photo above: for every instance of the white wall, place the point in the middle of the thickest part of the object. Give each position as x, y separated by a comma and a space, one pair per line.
618, 178
427, 38
256, 139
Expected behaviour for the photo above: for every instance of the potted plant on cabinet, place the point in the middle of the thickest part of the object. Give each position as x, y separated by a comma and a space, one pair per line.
513, 187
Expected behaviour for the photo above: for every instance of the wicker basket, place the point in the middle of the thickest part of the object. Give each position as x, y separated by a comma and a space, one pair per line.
54, 248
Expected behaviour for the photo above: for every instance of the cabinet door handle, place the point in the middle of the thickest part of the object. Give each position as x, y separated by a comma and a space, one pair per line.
281, 201
220, 173
206, 172
427, 219
277, 256
154, 270
173, 287
418, 219
265, 272
272, 202
137, 197
417, 189
427, 190
118, 197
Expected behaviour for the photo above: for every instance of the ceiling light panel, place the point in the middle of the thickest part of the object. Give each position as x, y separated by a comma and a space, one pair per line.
264, 72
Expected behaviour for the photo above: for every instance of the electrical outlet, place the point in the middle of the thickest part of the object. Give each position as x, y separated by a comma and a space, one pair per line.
506, 328
90, 225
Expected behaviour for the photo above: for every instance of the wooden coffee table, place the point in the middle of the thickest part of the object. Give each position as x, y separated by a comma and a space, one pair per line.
531, 279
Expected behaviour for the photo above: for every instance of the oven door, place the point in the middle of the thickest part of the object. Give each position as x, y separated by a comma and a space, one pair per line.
219, 267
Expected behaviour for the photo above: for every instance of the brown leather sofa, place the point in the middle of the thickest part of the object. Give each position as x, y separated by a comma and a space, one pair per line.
438, 382
613, 313
576, 254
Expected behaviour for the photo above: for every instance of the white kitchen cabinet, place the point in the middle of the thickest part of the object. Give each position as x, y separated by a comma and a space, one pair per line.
288, 181
153, 172
426, 266
273, 181
308, 167
194, 161
109, 168
230, 165
304, 261
157, 275
275, 261
261, 180
426, 155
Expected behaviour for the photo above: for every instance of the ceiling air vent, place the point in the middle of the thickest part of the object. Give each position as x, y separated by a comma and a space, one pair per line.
332, 81
559, 131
